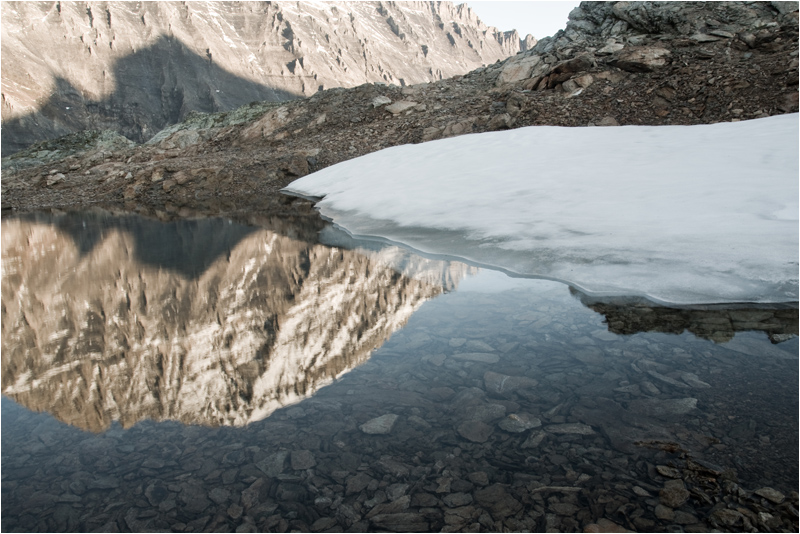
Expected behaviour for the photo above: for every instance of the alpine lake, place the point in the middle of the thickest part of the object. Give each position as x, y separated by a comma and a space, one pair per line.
266, 373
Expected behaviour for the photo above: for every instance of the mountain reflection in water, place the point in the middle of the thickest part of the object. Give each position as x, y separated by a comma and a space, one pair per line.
208, 321
204, 321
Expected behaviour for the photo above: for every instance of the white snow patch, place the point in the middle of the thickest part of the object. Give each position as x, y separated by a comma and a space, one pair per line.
680, 214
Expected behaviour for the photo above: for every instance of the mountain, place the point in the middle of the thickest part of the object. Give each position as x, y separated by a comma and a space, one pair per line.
137, 67
206, 321
615, 63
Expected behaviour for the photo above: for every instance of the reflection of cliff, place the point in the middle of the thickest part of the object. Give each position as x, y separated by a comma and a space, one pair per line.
717, 323
94, 330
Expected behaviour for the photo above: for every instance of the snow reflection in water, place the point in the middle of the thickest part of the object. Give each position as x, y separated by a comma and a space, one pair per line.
515, 405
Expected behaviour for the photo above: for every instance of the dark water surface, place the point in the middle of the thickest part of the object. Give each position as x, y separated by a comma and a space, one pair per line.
211, 375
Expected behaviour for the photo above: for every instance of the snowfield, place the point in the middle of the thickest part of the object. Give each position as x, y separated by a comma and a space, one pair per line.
680, 214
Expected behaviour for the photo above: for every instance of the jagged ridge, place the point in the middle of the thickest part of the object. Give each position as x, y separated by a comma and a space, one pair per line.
136, 68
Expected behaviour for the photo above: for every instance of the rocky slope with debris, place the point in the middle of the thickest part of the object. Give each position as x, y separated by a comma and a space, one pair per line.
138, 67
614, 64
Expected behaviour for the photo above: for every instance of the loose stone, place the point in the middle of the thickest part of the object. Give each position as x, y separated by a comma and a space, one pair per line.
669, 472
771, 495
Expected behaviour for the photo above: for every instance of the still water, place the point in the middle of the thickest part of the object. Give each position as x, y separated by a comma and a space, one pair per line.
272, 374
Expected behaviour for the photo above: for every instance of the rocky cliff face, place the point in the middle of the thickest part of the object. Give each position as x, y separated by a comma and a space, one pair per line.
616, 63
206, 322
137, 67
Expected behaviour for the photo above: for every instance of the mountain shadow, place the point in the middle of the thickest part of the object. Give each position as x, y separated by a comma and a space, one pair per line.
154, 88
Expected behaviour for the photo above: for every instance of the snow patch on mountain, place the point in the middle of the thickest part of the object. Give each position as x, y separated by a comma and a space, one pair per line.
680, 214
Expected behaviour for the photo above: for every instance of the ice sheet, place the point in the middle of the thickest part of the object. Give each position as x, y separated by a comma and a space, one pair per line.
680, 214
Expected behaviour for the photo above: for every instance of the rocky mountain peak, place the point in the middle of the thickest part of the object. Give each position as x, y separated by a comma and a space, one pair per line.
136, 68
615, 63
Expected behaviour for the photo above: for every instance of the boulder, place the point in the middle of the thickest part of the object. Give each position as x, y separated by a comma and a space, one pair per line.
641, 58
518, 69
400, 106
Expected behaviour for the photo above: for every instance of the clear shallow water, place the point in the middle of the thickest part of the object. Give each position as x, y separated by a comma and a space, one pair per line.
211, 375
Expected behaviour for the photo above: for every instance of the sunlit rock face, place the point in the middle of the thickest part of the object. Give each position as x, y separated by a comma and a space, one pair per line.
206, 322
136, 67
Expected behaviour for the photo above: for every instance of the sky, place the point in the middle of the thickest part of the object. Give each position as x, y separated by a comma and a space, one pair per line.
539, 18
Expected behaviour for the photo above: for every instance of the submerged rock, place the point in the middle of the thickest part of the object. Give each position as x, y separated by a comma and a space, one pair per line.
476, 431
570, 428
674, 494
519, 423
380, 425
